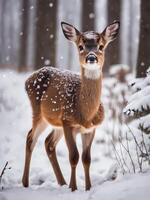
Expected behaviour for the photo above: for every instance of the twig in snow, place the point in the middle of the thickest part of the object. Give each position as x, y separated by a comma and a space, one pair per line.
129, 154
119, 160
3, 171
123, 158
140, 162
147, 153
135, 140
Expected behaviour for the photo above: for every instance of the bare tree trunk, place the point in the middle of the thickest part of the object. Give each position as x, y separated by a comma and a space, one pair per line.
24, 35
4, 36
1, 29
113, 50
131, 36
45, 33
88, 15
144, 47
8, 34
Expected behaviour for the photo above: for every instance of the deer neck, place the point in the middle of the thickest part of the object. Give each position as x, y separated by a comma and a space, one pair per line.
90, 92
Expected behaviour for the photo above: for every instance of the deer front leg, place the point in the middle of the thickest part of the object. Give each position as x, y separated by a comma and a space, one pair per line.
50, 146
87, 140
73, 154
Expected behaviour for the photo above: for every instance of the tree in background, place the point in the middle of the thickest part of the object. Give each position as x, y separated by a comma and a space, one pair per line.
1, 29
45, 38
131, 35
143, 62
9, 25
23, 35
113, 50
88, 15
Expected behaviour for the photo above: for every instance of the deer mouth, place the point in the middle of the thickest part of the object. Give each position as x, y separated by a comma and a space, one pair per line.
91, 67
91, 59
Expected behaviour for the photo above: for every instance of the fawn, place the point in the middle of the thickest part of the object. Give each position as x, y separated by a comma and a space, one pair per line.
70, 103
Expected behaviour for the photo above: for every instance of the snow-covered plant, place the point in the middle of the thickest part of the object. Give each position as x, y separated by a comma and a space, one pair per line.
137, 112
130, 145
138, 108
116, 93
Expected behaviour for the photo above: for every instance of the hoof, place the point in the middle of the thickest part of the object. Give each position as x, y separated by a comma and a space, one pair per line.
25, 183
73, 188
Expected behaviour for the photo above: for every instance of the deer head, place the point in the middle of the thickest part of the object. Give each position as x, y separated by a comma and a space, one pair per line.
91, 46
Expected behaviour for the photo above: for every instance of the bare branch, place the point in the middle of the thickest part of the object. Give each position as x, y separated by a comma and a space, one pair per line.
3, 171
133, 165
119, 160
147, 153
135, 139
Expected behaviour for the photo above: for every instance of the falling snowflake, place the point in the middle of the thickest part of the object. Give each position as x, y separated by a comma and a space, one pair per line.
91, 15
50, 5
31, 7
47, 62
51, 36
142, 63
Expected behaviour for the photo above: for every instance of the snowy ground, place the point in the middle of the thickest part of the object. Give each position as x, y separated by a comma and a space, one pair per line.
127, 187
15, 118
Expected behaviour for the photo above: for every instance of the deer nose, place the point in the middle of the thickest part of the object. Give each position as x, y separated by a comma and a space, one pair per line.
91, 58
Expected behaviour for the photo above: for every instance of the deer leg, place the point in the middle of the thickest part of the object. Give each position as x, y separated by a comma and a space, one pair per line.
87, 140
30, 143
73, 154
50, 146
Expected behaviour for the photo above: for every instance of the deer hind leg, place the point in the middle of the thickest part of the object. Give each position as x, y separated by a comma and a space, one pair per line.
87, 140
31, 140
50, 146
70, 138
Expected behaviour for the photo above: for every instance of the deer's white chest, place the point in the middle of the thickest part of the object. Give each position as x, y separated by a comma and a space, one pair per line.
92, 71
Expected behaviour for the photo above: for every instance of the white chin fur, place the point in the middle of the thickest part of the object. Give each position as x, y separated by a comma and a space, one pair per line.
92, 71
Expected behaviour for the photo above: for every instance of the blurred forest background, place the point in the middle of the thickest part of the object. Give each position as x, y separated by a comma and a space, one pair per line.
31, 36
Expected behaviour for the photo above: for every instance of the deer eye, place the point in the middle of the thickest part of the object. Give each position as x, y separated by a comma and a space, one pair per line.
81, 48
101, 47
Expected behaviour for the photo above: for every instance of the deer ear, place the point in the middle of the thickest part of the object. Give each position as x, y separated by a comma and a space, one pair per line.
111, 31
70, 32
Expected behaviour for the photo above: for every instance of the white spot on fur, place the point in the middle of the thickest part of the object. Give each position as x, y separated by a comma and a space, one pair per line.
92, 71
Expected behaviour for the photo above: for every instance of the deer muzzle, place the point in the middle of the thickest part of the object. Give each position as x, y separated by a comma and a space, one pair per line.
91, 58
